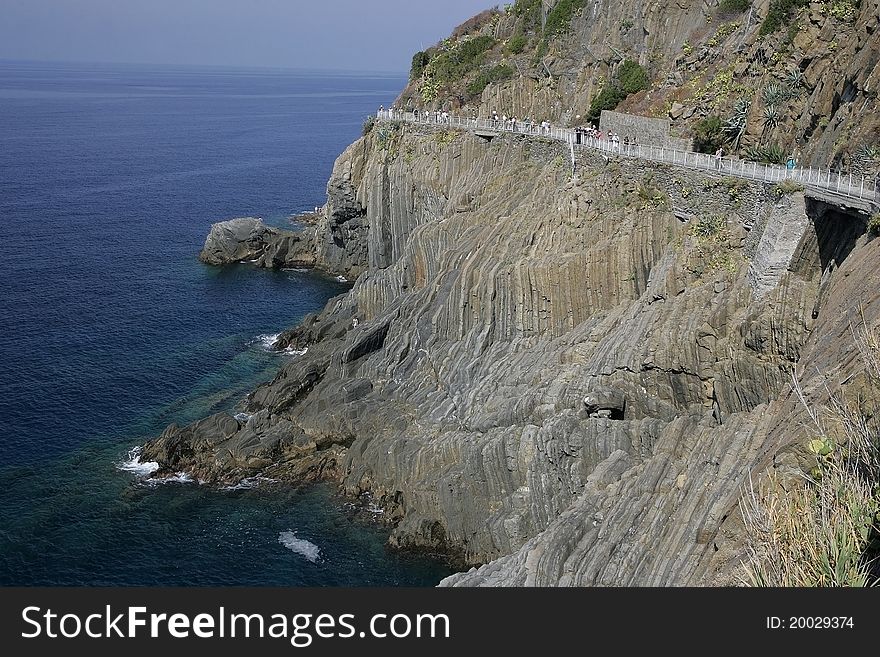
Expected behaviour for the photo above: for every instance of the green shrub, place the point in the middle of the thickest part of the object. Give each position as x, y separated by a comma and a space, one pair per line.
527, 7
709, 134
630, 78
369, 124
786, 187
610, 97
457, 62
842, 10
874, 224
419, 61
494, 74
780, 12
708, 226
517, 44
768, 154
732, 7
559, 18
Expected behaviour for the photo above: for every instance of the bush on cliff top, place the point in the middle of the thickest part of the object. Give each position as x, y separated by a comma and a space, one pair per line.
485, 78
631, 78
529, 11
559, 18
733, 7
709, 134
475, 23
464, 57
781, 11
419, 61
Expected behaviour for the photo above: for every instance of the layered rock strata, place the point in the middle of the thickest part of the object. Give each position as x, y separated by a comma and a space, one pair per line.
567, 378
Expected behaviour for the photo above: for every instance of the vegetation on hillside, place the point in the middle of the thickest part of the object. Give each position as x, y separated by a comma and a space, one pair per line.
733, 91
709, 134
733, 7
559, 18
766, 153
824, 529
484, 78
781, 12
465, 56
630, 78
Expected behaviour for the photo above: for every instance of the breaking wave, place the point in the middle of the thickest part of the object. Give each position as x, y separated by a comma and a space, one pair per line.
301, 546
135, 466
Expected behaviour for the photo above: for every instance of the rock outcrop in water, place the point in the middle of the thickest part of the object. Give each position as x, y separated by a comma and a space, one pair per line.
250, 240
564, 380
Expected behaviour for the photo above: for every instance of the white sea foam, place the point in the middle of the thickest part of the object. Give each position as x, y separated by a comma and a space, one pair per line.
298, 270
135, 466
342, 279
177, 478
301, 546
267, 340
243, 417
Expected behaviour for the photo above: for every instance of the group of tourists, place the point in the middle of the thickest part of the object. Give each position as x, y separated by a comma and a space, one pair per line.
591, 135
583, 134
612, 142
514, 124
428, 116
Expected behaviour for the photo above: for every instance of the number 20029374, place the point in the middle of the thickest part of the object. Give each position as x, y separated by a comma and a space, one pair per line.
810, 623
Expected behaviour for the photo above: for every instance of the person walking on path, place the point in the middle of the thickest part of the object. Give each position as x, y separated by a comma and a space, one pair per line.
718, 155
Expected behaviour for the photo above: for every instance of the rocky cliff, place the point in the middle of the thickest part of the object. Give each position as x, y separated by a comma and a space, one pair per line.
795, 76
562, 378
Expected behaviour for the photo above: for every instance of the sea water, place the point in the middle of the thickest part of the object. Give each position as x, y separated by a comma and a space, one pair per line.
110, 329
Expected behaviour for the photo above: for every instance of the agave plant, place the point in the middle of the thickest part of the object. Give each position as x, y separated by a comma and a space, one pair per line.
771, 117
774, 154
795, 78
774, 93
769, 154
736, 122
865, 159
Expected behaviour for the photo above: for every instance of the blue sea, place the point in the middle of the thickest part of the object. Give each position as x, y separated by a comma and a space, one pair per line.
110, 329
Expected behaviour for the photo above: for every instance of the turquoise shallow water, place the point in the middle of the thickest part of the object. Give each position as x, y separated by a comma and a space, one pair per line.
110, 328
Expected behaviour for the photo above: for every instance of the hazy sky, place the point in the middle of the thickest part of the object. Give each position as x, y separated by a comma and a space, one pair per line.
377, 35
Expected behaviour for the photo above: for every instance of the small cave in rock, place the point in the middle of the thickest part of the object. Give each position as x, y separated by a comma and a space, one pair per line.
605, 402
837, 231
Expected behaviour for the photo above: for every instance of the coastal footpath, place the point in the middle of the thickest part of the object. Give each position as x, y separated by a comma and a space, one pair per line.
555, 378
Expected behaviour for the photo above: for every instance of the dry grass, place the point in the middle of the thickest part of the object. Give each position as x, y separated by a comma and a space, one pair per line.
822, 529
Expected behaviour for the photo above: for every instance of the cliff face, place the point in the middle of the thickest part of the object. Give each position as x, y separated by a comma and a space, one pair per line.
498, 292
568, 378
809, 86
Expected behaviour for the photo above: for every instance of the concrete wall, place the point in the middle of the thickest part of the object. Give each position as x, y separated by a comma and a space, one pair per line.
643, 129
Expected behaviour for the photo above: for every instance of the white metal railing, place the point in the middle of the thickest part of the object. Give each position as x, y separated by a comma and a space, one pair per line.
837, 182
